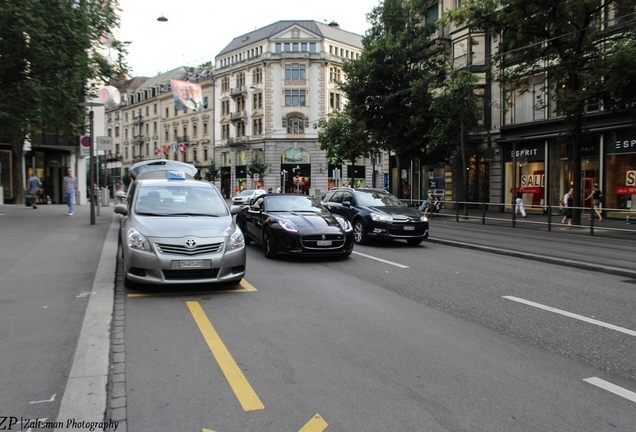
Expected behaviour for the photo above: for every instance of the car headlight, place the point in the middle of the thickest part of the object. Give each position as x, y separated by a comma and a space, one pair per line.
377, 217
237, 240
345, 224
424, 219
138, 241
287, 225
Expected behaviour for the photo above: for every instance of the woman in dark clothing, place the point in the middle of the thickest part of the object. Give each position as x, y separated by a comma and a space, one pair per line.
568, 202
596, 197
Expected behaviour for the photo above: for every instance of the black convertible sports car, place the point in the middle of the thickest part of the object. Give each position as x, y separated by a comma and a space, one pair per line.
295, 225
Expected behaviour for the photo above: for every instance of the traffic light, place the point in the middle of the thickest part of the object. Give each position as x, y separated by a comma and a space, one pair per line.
284, 173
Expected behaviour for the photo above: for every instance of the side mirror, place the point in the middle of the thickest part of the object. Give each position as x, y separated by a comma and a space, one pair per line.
346, 203
122, 209
234, 210
255, 207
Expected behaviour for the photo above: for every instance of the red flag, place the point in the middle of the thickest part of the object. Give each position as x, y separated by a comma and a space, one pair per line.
157, 151
182, 147
165, 150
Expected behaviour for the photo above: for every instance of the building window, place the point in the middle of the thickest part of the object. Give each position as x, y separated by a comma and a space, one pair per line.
295, 97
205, 128
334, 74
279, 48
225, 131
194, 130
240, 129
240, 80
295, 71
147, 149
116, 131
258, 100
205, 102
194, 154
295, 125
166, 138
257, 127
225, 84
257, 76
167, 113
205, 154
334, 101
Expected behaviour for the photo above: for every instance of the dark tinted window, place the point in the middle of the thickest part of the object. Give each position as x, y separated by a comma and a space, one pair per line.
337, 197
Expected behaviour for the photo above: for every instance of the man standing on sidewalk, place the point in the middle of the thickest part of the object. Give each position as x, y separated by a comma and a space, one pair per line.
70, 187
34, 184
519, 203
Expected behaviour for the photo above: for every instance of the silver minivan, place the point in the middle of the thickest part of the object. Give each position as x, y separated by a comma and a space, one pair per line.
178, 230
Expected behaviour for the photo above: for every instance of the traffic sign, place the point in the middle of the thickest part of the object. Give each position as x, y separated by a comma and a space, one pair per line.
104, 143
256, 176
85, 146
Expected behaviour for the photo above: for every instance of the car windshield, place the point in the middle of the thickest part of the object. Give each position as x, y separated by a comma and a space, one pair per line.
292, 203
169, 200
246, 192
378, 199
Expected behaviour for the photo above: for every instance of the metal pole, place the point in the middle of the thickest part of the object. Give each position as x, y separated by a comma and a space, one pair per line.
514, 182
92, 162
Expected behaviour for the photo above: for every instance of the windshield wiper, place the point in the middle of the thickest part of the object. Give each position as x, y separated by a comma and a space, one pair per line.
193, 214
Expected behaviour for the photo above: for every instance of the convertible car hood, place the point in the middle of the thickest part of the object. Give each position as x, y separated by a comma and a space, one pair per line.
307, 219
178, 226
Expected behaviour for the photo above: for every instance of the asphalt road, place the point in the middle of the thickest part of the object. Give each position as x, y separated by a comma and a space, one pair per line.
433, 338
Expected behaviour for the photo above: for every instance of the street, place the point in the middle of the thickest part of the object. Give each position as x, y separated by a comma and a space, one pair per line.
435, 337
394, 338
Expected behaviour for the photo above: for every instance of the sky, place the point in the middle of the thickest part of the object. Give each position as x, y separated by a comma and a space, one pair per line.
197, 30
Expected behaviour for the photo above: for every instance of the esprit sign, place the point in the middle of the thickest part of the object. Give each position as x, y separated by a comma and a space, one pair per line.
630, 178
623, 146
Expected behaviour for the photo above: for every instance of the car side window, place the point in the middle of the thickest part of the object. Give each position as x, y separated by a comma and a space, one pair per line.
347, 196
337, 197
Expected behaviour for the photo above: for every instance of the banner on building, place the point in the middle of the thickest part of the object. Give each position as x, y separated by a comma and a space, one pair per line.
187, 95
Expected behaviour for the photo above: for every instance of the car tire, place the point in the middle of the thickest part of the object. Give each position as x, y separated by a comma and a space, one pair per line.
359, 232
268, 244
414, 242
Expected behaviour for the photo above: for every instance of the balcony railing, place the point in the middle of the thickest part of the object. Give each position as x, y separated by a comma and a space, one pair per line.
239, 115
237, 141
183, 139
235, 91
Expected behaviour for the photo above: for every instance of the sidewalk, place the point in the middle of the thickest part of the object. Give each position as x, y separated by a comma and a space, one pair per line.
611, 248
56, 304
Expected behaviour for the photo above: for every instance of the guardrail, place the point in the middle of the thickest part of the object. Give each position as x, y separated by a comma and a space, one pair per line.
541, 216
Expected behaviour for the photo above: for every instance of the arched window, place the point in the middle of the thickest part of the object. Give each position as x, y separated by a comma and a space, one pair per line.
296, 125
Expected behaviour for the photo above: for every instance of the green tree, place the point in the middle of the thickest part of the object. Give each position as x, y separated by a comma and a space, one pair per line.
458, 116
257, 167
583, 48
211, 172
50, 64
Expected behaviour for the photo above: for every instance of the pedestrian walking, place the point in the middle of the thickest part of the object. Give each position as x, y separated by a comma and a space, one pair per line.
70, 188
519, 203
568, 203
33, 186
596, 196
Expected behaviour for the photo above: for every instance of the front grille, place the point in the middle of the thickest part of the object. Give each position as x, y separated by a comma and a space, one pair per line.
183, 250
311, 242
399, 231
190, 274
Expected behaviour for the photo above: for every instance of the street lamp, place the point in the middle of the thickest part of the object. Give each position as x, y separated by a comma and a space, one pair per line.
92, 158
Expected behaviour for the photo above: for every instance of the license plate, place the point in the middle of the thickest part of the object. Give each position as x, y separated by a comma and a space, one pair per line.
324, 242
191, 264
409, 228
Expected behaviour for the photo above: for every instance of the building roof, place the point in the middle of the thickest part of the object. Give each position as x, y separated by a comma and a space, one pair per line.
329, 31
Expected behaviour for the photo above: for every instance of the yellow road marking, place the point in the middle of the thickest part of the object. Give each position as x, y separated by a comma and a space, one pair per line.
245, 287
316, 424
206, 430
242, 389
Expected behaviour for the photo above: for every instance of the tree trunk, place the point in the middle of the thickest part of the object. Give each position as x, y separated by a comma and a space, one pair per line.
17, 142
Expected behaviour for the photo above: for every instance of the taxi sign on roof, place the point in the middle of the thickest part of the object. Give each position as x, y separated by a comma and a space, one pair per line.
176, 175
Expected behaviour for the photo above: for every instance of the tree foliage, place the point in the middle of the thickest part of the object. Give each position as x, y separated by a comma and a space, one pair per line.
583, 48
257, 167
211, 172
50, 62
387, 88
